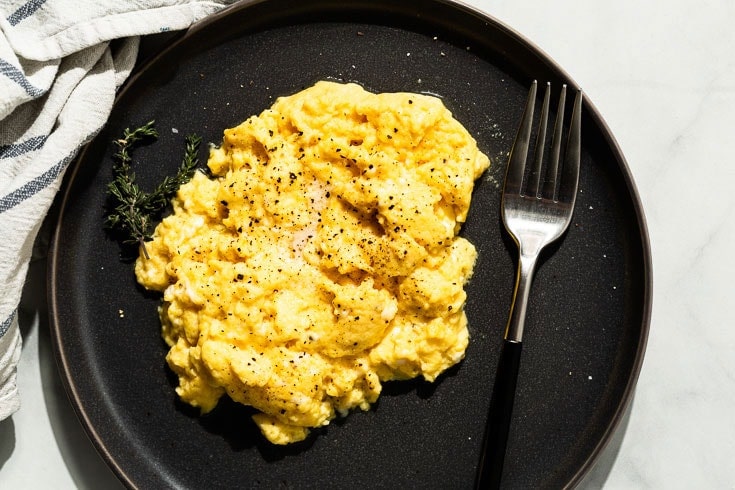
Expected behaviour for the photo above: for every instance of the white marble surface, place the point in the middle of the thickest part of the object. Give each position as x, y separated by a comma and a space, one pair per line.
662, 74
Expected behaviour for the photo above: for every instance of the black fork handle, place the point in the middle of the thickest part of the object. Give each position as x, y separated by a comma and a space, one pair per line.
490, 470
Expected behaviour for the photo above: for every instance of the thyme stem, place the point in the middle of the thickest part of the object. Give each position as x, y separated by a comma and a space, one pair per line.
134, 212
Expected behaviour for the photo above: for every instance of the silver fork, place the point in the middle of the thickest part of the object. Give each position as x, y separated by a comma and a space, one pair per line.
535, 216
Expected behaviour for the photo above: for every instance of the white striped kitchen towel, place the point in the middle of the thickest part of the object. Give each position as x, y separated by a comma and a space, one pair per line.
58, 76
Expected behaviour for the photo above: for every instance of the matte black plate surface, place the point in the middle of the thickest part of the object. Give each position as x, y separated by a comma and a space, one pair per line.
587, 321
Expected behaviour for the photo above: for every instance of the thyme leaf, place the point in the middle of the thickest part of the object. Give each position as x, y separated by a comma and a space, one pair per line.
134, 212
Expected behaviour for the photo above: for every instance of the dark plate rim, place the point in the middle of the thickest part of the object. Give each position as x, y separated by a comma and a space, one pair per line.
528, 45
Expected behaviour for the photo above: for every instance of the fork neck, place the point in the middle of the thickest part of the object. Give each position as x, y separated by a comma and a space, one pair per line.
517, 317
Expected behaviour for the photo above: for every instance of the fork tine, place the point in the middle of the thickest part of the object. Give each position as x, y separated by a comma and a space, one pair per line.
553, 169
534, 177
570, 171
519, 151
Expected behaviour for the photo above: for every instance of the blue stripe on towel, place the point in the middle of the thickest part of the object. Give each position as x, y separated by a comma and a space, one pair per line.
5, 326
17, 76
34, 186
24, 11
18, 149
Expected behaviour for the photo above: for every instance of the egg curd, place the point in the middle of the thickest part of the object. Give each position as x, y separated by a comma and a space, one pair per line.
321, 259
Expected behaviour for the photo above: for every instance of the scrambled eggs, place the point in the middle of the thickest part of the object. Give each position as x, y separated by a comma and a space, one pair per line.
321, 259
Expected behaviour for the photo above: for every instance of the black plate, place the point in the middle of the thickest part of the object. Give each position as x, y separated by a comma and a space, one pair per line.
587, 321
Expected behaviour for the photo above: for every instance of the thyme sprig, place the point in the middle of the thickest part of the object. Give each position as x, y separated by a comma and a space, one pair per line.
134, 211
